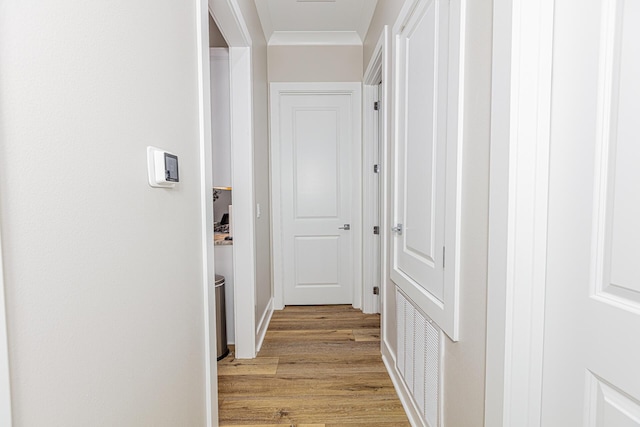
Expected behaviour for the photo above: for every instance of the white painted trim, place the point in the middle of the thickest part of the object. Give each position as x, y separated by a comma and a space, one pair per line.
206, 209
219, 53
263, 325
244, 252
5, 378
276, 89
375, 125
315, 38
410, 408
227, 15
370, 200
520, 123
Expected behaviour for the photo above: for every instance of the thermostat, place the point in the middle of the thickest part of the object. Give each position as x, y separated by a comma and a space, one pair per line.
162, 168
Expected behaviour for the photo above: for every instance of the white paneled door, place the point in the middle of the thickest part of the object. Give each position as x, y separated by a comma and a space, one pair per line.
316, 141
591, 374
426, 175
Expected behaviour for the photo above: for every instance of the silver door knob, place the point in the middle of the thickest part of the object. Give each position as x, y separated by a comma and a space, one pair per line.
346, 227
397, 229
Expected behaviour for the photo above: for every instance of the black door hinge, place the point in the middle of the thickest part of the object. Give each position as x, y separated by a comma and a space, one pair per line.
376, 290
376, 105
376, 229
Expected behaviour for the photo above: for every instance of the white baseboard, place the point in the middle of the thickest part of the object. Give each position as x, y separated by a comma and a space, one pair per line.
413, 413
263, 325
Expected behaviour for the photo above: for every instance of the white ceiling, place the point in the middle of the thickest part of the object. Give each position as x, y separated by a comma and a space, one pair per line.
315, 21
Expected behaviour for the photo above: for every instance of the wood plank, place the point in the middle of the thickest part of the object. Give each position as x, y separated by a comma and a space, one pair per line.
367, 334
311, 335
315, 409
376, 383
276, 425
330, 324
258, 366
371, 424
275, 349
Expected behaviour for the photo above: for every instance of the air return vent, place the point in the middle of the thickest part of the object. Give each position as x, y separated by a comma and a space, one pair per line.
418, 359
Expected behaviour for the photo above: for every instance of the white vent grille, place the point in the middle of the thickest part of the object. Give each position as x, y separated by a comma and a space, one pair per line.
418, 358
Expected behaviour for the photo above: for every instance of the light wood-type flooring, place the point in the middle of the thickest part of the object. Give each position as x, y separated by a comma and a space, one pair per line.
319, 366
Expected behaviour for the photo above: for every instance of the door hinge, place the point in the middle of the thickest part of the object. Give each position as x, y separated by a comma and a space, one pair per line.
376, 229
376, 290
376, 105
443, 256
376, 168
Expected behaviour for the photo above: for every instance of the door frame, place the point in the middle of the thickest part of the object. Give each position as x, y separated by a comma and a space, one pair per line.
375, 126
228, 17
275, 91
5, 382
520, 138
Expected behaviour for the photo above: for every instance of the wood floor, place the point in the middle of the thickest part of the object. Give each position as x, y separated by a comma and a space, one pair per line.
320, 366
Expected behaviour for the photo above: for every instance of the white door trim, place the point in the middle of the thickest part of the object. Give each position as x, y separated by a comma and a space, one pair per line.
375, 125
521, 94
228, 16
229, 19
276, 89
5, 384
206, 208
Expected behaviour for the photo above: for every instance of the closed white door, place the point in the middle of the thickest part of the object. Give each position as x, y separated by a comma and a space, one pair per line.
591, 374
425, 175
317, 145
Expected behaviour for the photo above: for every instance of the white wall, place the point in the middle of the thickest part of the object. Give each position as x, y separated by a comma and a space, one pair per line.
264, 288
103, 273
464, 363
315, 63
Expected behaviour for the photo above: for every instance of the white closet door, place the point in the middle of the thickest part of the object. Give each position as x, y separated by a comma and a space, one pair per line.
426, 172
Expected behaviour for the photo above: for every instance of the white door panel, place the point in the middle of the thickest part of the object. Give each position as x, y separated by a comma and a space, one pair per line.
426, 108
592, 312
316, 144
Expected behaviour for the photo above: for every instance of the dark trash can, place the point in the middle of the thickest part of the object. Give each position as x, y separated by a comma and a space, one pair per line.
221, 319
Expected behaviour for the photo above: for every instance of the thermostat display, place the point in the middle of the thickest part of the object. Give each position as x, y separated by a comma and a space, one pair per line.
171, 167
162, 168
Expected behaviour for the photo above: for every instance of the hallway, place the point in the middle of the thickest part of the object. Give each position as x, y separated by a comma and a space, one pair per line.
319, 366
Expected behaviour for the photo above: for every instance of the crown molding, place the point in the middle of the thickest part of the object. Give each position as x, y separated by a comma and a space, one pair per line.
317, 38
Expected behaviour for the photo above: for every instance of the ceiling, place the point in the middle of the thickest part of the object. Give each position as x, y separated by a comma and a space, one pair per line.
315, 21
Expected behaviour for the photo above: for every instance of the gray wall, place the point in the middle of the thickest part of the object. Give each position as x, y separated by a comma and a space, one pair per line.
103, 273
264, 288
315, 63
464, 364
216, 39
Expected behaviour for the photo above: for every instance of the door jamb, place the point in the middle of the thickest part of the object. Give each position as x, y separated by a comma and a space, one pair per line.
5, 385
228, 16
375, 125
520, 128
206, 210
355, 90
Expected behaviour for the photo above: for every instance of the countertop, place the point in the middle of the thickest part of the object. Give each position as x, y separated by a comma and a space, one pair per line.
219, 239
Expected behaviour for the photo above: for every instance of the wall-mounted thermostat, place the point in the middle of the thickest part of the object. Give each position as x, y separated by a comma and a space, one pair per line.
162, 168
